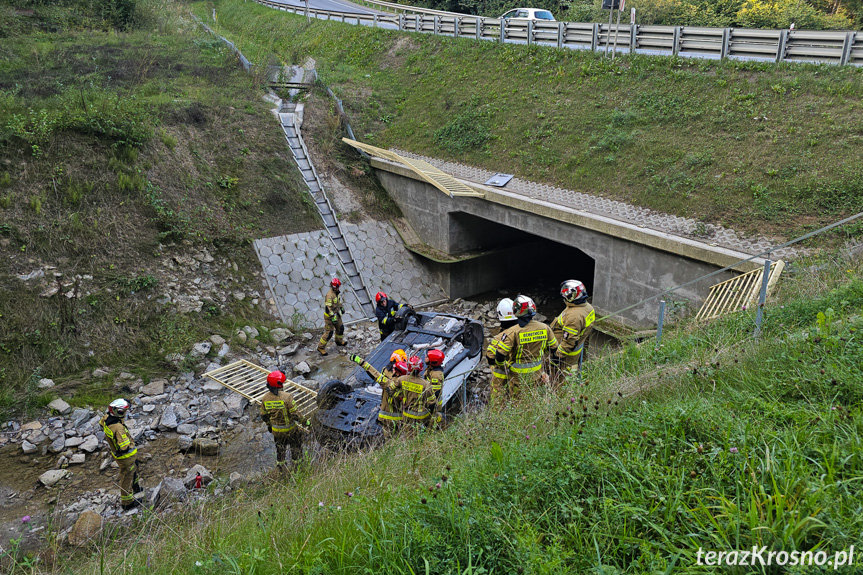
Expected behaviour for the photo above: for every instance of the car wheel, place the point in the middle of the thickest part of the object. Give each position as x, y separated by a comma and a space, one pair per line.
331, 392
473, 339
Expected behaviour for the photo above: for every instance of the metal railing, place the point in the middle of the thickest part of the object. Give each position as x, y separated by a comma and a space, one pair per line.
824, 46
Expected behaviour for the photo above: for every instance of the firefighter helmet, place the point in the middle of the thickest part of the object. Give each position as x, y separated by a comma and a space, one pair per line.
573, 291
379, 296
523, 306
276, 379
400, 368
415, 364
435, 358
118, 407
399, 355
336, 283
504, 310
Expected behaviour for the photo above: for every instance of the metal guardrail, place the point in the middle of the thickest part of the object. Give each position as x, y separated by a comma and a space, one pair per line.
833, 47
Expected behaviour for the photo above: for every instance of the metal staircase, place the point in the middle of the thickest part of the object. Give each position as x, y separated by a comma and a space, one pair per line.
331, 223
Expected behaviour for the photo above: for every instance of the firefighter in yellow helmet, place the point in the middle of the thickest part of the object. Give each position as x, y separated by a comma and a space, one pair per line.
390, 412
334, 309
124, 451
525, 345
500, 372
280, 413
397, 356
573, 326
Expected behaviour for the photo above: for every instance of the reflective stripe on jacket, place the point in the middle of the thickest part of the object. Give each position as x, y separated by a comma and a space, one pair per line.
118, 437
279, 411
572, 328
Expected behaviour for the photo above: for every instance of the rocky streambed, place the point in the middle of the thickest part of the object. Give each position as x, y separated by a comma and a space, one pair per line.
57, 476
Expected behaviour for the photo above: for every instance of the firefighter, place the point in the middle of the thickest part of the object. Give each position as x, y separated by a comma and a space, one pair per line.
434, 375
385, 311
280, 413
390, 412
525, 346
419, 405
333, 311
500, 373
124, 451
397, 356
573, 326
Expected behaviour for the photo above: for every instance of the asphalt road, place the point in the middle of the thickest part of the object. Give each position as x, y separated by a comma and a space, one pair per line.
331, 6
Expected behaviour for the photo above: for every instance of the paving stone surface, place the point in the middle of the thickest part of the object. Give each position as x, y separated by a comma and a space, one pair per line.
643, 217
298, 269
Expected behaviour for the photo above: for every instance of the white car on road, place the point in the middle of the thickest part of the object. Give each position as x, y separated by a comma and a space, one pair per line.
527, 14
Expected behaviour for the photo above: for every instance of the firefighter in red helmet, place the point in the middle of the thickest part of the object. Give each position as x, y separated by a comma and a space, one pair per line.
280, 413
385, 311
334, 309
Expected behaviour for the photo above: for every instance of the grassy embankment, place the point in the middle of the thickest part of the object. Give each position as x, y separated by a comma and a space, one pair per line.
714, 441
756, 147
118, 151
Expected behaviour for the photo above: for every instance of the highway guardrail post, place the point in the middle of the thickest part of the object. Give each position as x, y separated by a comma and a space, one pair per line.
594, 38
762, 296
659, 321
726, 42
401, 21
435, 25
633, 37
478, 28
502, 30
780, 49
455, 26
560, 34
846, 48
675, 42
530, 33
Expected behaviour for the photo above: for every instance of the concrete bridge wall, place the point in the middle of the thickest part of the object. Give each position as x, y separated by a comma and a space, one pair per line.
631, 263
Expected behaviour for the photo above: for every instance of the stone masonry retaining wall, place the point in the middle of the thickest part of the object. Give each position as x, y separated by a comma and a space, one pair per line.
299, 267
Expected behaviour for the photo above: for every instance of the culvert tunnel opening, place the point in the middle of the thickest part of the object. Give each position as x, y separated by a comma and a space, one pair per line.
510, 261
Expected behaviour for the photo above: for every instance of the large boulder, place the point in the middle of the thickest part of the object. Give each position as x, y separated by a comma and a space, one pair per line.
52, 476
206, 476
170, 490
206, 446
80, 416
45, 383
169, 419
86, 529
155, 387
201, 349
73, 442
60, 406
184, 442
57, 445
280, 334
91, 443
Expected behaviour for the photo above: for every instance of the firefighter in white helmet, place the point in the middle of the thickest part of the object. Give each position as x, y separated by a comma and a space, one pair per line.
124, 451
525, 345
500, 372
573, 326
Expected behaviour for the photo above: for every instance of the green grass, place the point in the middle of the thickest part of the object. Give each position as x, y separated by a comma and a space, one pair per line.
676, 135
714, 441
119, 150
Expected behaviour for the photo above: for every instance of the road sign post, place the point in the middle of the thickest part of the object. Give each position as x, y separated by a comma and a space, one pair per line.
617, 28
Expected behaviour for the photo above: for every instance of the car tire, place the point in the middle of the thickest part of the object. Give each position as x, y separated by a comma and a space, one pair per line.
473, 339
330, 393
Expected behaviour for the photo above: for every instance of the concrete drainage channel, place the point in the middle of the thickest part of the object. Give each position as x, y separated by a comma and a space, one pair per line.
298, 267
